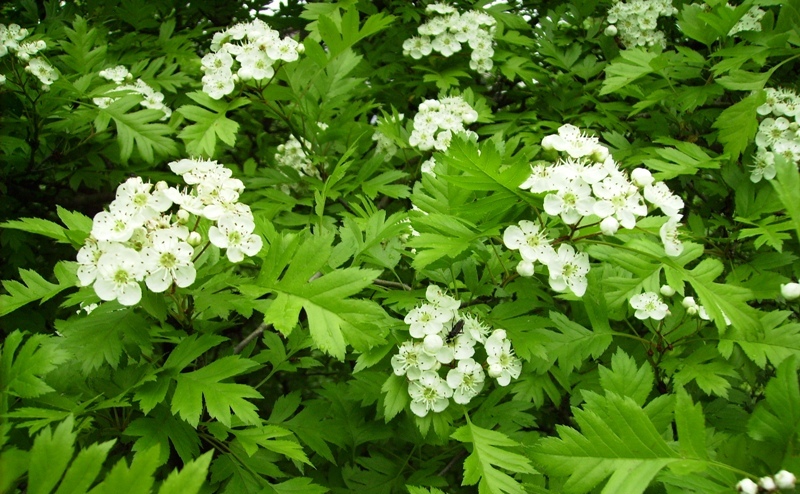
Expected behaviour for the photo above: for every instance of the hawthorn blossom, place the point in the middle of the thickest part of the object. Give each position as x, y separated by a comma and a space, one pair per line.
466, 380
531, 241
503, 365
168, 260
236, 235
568, 270
411, 361
427, 319
669, 236
648, 305
119, 271
429, 393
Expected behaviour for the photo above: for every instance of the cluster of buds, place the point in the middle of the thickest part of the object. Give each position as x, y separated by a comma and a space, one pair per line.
292, 154
438, 120
151, 98
139, 239
587, 183
12, 41
778, 133
443, 338
636, 21
256, 48
781, 480
446, 32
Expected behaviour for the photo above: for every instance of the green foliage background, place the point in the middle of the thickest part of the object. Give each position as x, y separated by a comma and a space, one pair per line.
273, 375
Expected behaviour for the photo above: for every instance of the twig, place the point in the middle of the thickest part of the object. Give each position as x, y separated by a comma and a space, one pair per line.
391, 284
252, 336
460, 456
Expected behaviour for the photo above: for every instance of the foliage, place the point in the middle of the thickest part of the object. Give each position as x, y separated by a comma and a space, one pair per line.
560, 257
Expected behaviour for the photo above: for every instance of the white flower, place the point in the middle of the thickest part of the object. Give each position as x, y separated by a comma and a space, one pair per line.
785, 480
134, 197
88, 257
429, 392
427, 319
531, 241
411, 360
114, 226
475, 328
790, 291
747, 486
660, 195
503, 365
466, 380
236, 235
168, 260
571, 201
649, 306
42, 70
669, 237
119, 271
568, 270
117, 74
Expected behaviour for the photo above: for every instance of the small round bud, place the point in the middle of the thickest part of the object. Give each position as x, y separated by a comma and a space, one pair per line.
525, 269
432, 343
194, 239
611, 30
609, 226
785, 480
747, 486
182, 215
688, 302
767, 483
667, 291
161, 186
641, 177
790, 291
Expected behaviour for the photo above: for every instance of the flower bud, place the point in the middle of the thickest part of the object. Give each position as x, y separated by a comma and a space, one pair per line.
525, 269
688, 302
183, 216
611, 30
785, 480
747, 486
641, 177
667, 291
432, 344
790, 291
194, 239
609, 226
161, 185
767, 483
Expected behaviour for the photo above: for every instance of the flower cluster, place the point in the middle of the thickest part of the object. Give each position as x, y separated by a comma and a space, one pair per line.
636, 21
293, 155
442, 336
151, 98
11, 41
781, 480
255, 46
587, 183
648, 305
750, 21
138, 239
778, 133
438, 120
446, 32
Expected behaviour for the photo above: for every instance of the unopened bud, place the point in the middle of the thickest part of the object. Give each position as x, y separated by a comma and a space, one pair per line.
194, 239
767, 484
161, 185
790, 291
667, 291
182, 215
525, 269
641, 177
609, 226
747, 486
785, 480
611, 30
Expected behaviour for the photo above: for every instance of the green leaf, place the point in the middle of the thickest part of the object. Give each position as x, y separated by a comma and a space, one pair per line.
396, 399
298, 485
617, 440
690, 423
573, 344
738, 124
84, 469
80, 52
264, 437
39, 227
190, 479
488, 453
777, 418
625, 378
35, 287
201, 137
137, 128
22, 374
136, 479
787, 185
50, 455
634, 63
775, 344
220, 397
